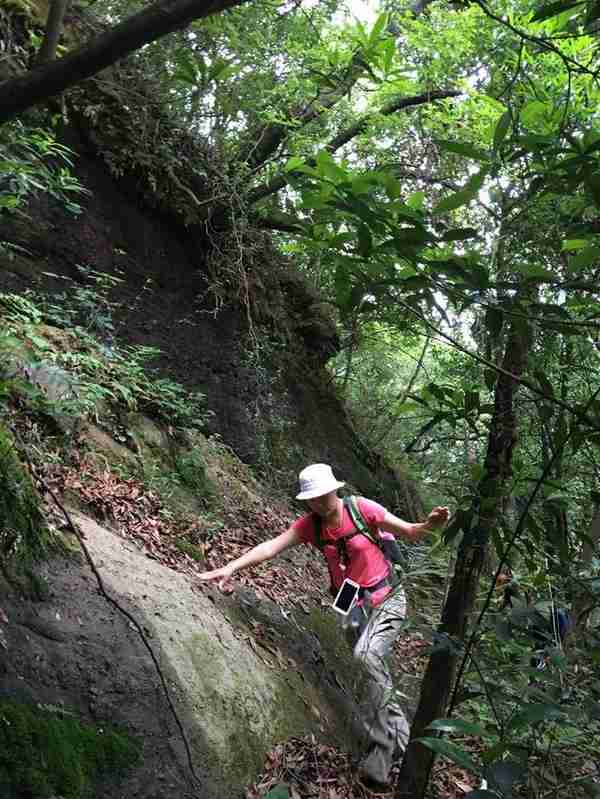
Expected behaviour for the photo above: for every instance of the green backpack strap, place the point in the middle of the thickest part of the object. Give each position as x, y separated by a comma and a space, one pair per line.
358, 520
351, 504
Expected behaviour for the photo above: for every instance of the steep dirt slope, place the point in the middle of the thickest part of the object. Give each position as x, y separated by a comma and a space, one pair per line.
258, 357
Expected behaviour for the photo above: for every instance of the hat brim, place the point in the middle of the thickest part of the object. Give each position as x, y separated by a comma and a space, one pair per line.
319, 492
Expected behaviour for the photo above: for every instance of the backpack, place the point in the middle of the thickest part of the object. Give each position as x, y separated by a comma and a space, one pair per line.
388, 546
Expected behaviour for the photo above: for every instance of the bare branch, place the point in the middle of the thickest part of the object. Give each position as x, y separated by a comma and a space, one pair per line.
279, 181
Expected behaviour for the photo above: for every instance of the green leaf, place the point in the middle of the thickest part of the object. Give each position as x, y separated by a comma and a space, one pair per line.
416, 200
455, 200
535, 113
549, 10
502, 128
411, 235
574, 244
462, 197
278, 792
463, 148
457, 725
584, 258
532, 714
328, 168
293, 163
378, 28
455, 753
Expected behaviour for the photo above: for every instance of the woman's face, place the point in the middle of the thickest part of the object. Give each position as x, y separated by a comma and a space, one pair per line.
324, 505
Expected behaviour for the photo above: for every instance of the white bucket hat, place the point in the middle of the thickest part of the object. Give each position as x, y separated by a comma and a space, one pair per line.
316, 480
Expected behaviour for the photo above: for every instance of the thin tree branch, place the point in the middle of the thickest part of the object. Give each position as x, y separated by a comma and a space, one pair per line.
277, 183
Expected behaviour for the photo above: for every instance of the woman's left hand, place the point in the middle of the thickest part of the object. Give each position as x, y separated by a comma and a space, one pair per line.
438, 517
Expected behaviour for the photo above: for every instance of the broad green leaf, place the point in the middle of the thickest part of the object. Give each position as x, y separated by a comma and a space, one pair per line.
378, 28
462, 197
463, 148
416, 200
412, 235
574, 244
294, 163
532, 714
455, 753
457, 725
502, 128
389, 49
584, 258
461, 522
278, 792
549, 10
537, 114
591, 138
328, 168
455, 200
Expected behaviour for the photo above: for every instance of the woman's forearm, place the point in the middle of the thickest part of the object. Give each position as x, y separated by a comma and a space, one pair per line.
258, 554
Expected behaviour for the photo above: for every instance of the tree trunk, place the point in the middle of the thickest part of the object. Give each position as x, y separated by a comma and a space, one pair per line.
584, 600
47, 80
484, 515
54, 24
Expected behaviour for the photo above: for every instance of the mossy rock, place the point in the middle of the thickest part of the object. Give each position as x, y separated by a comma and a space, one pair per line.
24, 537
46, 753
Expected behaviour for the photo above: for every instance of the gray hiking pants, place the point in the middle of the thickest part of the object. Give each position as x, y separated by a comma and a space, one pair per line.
383, 720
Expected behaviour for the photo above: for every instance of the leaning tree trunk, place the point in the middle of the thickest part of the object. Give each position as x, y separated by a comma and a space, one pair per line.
482, 517
151, 23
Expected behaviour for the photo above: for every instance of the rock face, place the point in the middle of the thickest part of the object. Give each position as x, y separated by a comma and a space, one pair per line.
234, 700
260, 362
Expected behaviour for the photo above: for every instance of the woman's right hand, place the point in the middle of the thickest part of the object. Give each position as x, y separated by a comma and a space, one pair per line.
223, 575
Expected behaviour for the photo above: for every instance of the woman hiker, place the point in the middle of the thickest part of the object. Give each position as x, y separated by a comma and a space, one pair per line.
333, 526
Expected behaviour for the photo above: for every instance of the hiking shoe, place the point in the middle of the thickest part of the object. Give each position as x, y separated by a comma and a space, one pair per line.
374, 771
371, 785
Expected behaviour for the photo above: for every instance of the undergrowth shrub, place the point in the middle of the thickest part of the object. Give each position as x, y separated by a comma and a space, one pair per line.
34, 161
104, 377
48, 753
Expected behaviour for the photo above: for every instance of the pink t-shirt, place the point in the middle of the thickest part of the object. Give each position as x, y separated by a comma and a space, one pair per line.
366, 563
